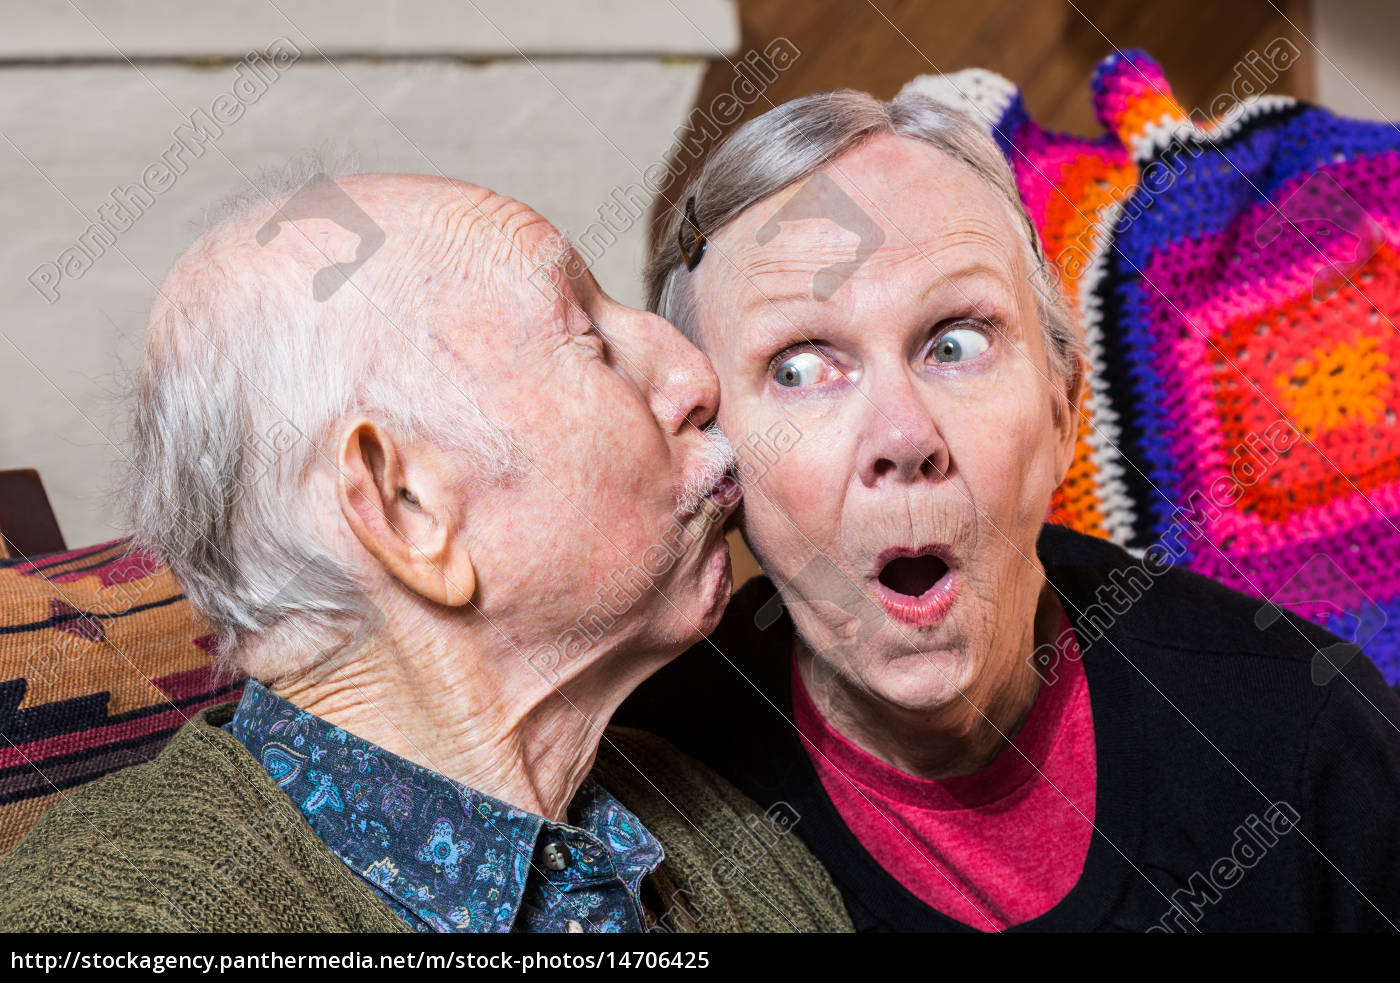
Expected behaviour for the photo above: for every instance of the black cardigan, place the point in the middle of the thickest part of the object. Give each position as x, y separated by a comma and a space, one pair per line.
1202, 722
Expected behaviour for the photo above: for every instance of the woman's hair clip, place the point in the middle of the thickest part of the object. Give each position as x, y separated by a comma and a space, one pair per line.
693, 255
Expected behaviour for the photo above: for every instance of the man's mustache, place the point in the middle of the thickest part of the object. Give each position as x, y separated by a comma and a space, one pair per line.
718, 456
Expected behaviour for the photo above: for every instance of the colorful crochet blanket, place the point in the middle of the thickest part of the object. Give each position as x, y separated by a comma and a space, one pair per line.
1236, 278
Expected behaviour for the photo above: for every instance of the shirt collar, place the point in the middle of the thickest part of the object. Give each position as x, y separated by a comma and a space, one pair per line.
454, 857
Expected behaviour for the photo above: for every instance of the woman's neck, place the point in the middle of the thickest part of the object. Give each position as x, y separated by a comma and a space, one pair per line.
961, 736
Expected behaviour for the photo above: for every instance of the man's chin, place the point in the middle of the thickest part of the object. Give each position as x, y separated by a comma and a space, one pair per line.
716, 586
713, 584
692, 602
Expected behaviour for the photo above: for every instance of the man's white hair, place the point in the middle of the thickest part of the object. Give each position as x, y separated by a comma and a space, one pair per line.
244, 382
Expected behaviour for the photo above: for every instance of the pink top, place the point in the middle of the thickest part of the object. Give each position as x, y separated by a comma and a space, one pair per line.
991, 849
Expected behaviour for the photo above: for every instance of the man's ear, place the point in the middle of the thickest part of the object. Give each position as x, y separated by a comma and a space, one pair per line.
398, 503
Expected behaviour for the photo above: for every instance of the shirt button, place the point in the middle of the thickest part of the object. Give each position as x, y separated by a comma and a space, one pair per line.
573, 926
556, 856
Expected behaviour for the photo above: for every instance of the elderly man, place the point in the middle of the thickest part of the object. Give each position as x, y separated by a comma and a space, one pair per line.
977, 729
485, 443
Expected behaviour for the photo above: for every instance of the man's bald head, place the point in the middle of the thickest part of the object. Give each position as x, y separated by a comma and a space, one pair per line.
299, 308
376, 246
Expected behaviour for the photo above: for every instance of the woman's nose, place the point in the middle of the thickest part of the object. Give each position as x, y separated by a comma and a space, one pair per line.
902, 442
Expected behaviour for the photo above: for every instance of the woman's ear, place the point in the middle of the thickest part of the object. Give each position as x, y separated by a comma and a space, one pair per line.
400, 502
1067, 420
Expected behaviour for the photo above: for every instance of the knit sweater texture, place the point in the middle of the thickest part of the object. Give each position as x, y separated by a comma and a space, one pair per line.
202, 839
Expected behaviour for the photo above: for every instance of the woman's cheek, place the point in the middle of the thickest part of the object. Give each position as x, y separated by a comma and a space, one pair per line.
803, 480
1036, 454
785, 506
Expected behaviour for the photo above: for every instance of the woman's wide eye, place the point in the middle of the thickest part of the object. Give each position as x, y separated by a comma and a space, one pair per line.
958, 345
802, 369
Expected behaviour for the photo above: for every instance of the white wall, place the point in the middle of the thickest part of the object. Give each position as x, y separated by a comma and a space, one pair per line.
550, 101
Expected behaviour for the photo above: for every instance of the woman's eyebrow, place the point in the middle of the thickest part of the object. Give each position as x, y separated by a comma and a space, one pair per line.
758, 300
751, 338
981, 274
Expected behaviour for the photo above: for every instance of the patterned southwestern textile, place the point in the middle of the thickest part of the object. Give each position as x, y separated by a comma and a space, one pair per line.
101, 660
451, 859
1237, 279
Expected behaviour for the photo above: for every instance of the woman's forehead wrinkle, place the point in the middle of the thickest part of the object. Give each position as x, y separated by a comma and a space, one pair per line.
943, 261
942, 232
908, 228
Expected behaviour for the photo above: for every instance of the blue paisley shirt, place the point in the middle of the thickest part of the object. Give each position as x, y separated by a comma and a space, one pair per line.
444, 857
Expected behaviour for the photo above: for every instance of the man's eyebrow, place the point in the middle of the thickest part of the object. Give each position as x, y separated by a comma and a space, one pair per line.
552, 266
548, 260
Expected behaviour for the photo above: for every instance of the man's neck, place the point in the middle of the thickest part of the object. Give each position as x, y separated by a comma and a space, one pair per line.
492, 724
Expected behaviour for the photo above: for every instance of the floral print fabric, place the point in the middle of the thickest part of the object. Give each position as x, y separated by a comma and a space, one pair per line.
444, 857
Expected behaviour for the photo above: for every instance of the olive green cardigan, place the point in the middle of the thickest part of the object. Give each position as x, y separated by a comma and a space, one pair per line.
202, 839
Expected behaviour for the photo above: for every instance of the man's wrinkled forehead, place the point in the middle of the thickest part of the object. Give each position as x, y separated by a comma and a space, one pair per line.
436, 233
503, 267
492, 244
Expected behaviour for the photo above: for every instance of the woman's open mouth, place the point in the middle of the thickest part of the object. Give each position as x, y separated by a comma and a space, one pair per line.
916, 587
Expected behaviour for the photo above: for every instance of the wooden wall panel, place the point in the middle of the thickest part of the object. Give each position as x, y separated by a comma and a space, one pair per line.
1048, 47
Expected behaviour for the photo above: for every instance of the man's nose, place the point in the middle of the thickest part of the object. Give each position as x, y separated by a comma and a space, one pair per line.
901, 441
684, 388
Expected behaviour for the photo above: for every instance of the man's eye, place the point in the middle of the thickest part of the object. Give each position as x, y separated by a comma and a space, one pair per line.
959, 345
802, 369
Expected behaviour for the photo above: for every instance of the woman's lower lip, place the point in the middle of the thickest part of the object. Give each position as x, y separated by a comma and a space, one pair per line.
924, 611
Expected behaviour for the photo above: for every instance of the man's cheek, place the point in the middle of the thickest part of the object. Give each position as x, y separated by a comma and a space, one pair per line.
638, 521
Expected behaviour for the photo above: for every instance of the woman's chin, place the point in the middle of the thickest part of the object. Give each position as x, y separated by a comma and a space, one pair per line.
921, 682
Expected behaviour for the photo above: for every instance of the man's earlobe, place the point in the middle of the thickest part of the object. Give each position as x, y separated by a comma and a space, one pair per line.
396, 500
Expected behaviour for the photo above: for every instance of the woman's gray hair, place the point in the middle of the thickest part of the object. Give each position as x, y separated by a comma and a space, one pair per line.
795, 140
243, 385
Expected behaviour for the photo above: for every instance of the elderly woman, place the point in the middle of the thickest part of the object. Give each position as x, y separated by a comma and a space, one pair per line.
972, 735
